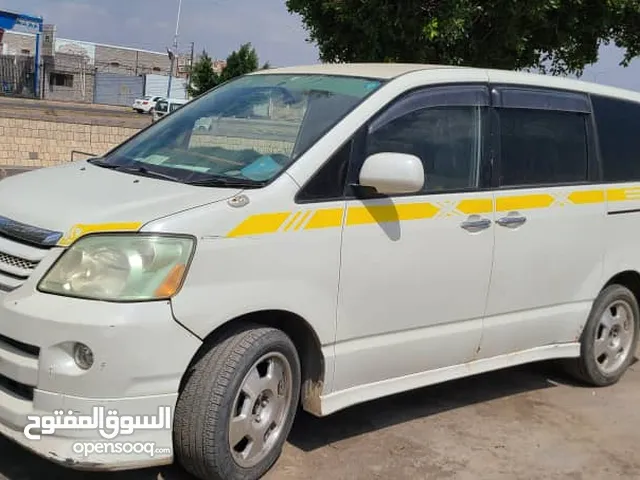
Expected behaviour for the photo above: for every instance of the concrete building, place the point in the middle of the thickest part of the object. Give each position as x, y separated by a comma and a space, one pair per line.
73, 69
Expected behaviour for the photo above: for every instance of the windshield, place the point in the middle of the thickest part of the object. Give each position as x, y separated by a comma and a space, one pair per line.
243, 132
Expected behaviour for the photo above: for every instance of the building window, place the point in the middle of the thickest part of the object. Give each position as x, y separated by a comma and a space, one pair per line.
114, 64
61, 80
157, 69
25, 51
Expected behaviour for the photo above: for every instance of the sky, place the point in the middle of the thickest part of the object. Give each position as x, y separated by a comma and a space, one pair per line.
221, 26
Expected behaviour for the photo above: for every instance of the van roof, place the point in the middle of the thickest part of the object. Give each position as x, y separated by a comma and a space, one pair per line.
369, 70
388, 71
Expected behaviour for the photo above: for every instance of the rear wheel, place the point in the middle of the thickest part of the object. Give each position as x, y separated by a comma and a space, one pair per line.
609, 338
237, 408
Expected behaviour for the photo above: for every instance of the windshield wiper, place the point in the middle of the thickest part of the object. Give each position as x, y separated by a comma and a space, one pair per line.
224, 181
139, 170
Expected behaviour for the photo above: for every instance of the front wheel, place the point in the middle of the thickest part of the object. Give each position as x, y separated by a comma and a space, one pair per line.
609, 338
238, 405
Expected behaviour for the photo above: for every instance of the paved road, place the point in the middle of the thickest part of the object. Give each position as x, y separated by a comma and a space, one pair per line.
524, 423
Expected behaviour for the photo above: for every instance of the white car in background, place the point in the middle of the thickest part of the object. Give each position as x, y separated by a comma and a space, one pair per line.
145, 104
166, 106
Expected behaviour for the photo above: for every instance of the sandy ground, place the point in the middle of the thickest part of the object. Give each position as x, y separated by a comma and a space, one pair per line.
523, 423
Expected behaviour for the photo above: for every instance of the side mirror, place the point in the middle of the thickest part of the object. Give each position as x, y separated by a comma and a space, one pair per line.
393, 173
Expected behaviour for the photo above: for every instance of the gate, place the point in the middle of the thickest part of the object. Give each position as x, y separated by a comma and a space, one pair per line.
117, 89
156, 85
16, 75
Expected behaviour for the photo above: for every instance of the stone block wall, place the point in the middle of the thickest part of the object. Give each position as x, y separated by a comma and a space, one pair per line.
37, 143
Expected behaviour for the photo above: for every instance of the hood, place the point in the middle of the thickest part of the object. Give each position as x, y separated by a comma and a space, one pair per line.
59, 198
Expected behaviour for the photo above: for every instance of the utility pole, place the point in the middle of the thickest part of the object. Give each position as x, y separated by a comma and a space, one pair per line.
174, 51
190, 71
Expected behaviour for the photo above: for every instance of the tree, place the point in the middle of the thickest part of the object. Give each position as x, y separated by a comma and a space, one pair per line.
203, 78
240, 62
556, 36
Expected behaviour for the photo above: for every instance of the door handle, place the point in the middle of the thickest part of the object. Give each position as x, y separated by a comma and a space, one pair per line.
512, 220
476, 223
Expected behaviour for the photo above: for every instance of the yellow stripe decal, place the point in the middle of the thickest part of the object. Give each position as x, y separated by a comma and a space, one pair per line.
260, 224
329, 217
582, 197
475, 206
623, 194
292, 221
361, 215
82, 229
304, 218
522, 202
390, 213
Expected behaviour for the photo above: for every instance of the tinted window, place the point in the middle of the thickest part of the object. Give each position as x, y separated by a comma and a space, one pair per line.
618, 127
446, 139
329, 182
543, 147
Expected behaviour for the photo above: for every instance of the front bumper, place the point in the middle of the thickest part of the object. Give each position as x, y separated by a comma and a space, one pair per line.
140, 354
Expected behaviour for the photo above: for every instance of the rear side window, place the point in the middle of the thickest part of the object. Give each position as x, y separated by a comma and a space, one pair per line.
618, 128
543, 147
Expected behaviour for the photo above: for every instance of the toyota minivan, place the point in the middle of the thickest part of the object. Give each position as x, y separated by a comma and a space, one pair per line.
340, 233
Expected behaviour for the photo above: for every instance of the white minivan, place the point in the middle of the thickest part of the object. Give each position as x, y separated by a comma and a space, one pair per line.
165, 106
340, 233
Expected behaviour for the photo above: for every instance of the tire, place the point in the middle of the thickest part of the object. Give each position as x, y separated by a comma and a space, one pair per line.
607, 327
227, 381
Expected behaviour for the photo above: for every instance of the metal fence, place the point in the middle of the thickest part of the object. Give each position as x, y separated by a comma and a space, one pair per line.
117, 89
16, 75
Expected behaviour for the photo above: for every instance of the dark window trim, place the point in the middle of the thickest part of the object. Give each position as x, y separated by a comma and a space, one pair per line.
593, 162
434, 97
560, 99
299, 200
358, 152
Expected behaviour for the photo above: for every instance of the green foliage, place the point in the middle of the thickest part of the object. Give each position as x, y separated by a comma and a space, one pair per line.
555, 36
240, 62
203, 78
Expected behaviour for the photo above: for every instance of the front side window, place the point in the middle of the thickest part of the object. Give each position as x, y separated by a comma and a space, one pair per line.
447, 139
543, 147
243, 132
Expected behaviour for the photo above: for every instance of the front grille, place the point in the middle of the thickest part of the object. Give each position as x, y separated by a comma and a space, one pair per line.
18, 389
30, 350
22, 247
17, 262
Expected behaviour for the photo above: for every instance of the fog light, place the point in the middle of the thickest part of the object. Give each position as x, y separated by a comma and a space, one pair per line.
83, 356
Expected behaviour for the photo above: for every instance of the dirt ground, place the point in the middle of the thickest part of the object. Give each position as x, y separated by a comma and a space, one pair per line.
524, 423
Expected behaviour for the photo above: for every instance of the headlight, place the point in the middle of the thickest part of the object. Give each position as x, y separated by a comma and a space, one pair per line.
120, 267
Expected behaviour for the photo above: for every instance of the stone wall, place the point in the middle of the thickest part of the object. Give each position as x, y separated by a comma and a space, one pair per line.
37, 143
37, 133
